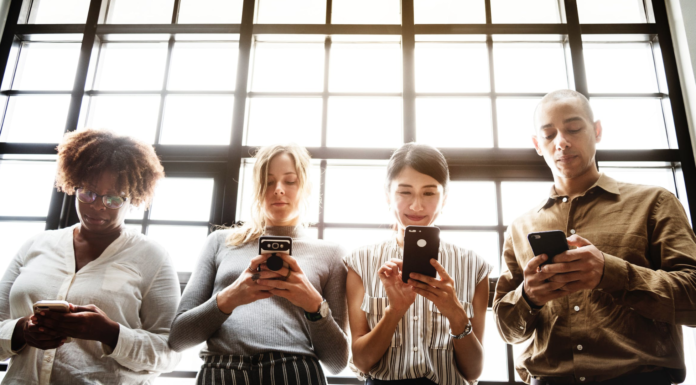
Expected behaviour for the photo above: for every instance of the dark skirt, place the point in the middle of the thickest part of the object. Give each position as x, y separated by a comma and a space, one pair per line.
262, 369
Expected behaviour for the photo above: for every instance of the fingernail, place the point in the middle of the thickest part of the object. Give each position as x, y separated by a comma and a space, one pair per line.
41, 329
42, 313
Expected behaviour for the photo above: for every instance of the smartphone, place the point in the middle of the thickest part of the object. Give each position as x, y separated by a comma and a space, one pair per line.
421, 244
53, 305
550, 243
274, 246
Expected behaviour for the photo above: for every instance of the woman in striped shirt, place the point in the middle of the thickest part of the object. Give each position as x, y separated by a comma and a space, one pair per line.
430, 330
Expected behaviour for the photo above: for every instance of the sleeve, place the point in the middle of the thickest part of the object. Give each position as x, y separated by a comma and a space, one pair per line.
514, 317
7, 323
198, 316
329, 335
667, 294
147, 349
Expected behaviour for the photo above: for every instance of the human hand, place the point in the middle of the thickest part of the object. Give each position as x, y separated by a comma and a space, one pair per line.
401, 295
294, 286
578, 269
29, 333
246, 288
442, 293
84, 322
537, 288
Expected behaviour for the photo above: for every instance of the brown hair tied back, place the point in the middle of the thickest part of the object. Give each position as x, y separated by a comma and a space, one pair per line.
84, 155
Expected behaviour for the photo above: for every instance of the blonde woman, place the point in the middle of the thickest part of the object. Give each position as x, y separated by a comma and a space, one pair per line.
267, 327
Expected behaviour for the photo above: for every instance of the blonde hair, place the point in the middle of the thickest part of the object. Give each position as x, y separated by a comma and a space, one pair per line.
256, 226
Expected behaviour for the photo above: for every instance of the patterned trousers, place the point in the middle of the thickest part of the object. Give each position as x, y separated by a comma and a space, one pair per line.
263, 369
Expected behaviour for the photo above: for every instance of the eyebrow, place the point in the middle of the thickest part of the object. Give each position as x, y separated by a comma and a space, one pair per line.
408, 185
287, 173
573, 119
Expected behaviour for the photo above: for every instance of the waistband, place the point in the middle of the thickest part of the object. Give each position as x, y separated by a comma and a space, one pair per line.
660, 377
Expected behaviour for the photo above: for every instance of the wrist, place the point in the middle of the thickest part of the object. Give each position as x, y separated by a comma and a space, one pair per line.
224, 302
529, 301
314, 306
458, 322
18, 334
110, 338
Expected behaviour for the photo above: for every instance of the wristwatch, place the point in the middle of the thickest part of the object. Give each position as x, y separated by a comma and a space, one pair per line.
322, 313
466, 332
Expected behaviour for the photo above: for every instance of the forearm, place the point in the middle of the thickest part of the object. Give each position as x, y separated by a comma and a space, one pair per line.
468, 355
196, 325
330, 343
370, 348
18, 335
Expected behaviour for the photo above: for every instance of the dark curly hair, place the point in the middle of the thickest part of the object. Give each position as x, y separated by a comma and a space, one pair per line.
84, 155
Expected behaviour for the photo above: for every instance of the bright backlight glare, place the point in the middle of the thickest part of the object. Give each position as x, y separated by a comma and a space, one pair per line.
171, 202
279, 120
366, 12
611, 11
364, 122
449, 11
365, 68
183, 243
516, 122
140, 11
616, 67
527, 11
59, 12
520, 197
209, 116
293, 67
452, 67
210, 12
46, 66
203, 67
131, 66
529, 67
350, 205
636, 123
291, 12
109, 112
454, 122
35, 119
495, 366
353, 239
13, 235
36, 189
470, 204
483, 243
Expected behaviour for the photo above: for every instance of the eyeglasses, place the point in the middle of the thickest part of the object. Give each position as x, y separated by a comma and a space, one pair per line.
110, 201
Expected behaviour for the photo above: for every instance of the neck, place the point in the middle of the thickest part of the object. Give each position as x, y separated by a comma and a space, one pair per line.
283, 223
400, 237
575, 186
99, 237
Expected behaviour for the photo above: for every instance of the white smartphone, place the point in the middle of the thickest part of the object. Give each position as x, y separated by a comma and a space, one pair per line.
53, 305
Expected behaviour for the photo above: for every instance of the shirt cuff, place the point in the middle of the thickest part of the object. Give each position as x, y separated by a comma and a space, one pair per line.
615, 277
6, 332
126, 338
525, 313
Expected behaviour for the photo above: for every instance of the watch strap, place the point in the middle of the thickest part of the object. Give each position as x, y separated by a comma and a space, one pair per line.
467, 330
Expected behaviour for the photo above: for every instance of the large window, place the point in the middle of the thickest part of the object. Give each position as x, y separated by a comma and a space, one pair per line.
206, 81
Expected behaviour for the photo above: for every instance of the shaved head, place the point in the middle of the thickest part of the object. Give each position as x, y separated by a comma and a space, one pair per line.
559, 95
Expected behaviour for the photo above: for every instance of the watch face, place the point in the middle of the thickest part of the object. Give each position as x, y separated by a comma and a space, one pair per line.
324, 309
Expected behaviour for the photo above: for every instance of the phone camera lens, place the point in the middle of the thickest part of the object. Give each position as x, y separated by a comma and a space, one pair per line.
274, 246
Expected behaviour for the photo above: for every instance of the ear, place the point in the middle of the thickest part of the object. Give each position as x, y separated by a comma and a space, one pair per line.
536, 145
598, 131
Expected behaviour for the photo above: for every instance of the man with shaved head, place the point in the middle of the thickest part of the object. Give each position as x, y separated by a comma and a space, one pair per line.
609, 311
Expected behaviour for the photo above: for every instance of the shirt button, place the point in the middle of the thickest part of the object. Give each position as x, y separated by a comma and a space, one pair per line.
582, 378
577, 308
521, 327
415, 318
415, 348
565, 199
572, 231
579, 347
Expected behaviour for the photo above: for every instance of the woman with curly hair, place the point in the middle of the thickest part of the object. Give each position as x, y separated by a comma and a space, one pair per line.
121, 288
262, 326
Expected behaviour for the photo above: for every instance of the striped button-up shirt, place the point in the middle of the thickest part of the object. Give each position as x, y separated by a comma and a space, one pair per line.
421, 346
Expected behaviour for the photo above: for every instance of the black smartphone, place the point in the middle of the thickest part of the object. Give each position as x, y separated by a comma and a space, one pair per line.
550, 243
421, 244
275, 245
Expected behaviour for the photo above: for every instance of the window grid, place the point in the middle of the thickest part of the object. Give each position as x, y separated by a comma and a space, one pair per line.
498, 165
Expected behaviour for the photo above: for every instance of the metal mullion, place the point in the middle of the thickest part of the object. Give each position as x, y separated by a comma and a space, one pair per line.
106, 29
327, 29
168, 62
320, 94
234, 157
329, 11
501, 241
575, 42
408, 45
681, 124
490, 29
21, 92
491, 75
8, 36
489, 12
21, 219
322, 199
663, 95
654, 95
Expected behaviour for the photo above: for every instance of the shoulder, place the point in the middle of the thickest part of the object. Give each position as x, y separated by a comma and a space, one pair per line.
642, 191
139, 244
49, 238
459, 253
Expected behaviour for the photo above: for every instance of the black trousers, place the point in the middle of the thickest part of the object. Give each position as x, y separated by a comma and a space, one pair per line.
263, 369
417, 381
660, 377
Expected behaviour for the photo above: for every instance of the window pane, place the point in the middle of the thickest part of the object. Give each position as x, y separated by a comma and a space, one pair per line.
517, 351
364, 122
483, 243
520, 197
366, 12
246, 192
662, 177
197, 119
173, 199
611, 11
630, 123
352, 239
516, 122
59, 12
128, 66
519, 67
291, 12
297, 67
184, 243
452, 67
12, 237
140, 11
280, 120
35, 119
620, 67
203, 66
107, 111
449, 11
454, 122
36, 189
47, 66
528, 11
210, 11
470, 204
495, 365
365, 68
689, 353
360, 205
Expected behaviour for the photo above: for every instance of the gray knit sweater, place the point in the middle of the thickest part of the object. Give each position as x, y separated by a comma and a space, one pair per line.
268, 325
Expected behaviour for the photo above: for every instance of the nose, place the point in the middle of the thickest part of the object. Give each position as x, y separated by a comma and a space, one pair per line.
98, 204
561, 142
279, 189
416, 205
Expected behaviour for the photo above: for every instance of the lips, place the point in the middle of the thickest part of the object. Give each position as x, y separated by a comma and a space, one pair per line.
415, 218
566, 158
96, 221
278, 204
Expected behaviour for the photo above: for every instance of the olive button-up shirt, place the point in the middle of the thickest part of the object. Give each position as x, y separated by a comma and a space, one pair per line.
631, 322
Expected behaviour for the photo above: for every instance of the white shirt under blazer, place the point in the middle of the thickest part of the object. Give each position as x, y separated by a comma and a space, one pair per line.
133, 282
421, 345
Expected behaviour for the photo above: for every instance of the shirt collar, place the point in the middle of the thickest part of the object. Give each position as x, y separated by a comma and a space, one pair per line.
604, 182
